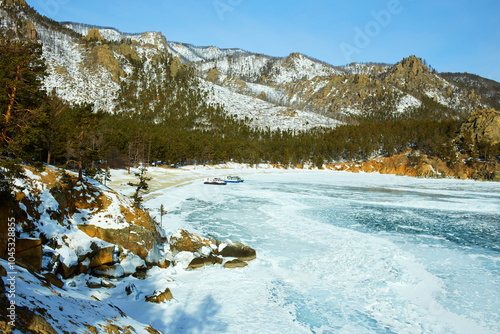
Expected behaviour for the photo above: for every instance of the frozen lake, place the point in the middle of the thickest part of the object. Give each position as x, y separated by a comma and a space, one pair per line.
338, 253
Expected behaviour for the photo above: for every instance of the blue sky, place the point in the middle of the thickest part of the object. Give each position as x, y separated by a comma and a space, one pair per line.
452, 36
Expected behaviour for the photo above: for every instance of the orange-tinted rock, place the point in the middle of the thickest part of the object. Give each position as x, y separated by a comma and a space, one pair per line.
136, 239
103, 256
67, 271
183, 241
159, 297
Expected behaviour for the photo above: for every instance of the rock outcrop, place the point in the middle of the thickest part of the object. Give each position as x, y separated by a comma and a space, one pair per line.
183, 241
71, 227
137, 239
421, 165
103, 256
30, 252
199, 262
482, 126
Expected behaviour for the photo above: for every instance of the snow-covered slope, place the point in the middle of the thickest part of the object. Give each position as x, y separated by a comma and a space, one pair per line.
109, 33
271, 71
73, 308
114, 35
59, 208
191, 53
261, 114
65, 57
355, 68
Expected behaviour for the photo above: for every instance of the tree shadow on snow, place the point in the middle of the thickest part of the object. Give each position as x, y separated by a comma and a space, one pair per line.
201, 321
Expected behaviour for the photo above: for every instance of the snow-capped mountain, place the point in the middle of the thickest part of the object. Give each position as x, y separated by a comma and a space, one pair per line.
307, 84
185, 52
294, 92
191, 53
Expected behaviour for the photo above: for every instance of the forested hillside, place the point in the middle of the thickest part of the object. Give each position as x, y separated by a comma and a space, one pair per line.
161, 113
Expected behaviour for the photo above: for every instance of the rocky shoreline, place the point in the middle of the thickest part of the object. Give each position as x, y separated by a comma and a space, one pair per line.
423, 166
85, 232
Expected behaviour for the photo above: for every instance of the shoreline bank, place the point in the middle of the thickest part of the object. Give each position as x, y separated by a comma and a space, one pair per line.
401, 165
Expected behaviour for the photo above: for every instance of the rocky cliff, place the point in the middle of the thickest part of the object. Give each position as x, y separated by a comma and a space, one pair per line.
482, 126
79, 227
420, 165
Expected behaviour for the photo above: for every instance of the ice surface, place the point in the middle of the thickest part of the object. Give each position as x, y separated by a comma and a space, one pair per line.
340, 252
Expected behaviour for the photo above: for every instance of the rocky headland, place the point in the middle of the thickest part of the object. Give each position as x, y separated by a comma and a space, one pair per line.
66, 228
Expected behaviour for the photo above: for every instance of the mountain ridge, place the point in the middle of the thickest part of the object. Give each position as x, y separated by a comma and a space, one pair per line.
92, 73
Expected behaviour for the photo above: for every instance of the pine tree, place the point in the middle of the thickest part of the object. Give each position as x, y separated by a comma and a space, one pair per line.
104, 175
56, 106
10, 169
21, 71
141, 187
81, 130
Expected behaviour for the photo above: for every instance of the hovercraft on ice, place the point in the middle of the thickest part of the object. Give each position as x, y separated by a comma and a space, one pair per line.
215, 181
233, 179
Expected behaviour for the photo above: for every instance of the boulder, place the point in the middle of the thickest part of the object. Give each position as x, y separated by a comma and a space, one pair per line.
199, 262
93, 284
136, 239
30, 252
159, 297
67, 271
238, 250
81, 269
235, 264
103, 256
183, 241
88, 253
131, 263
140, 274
